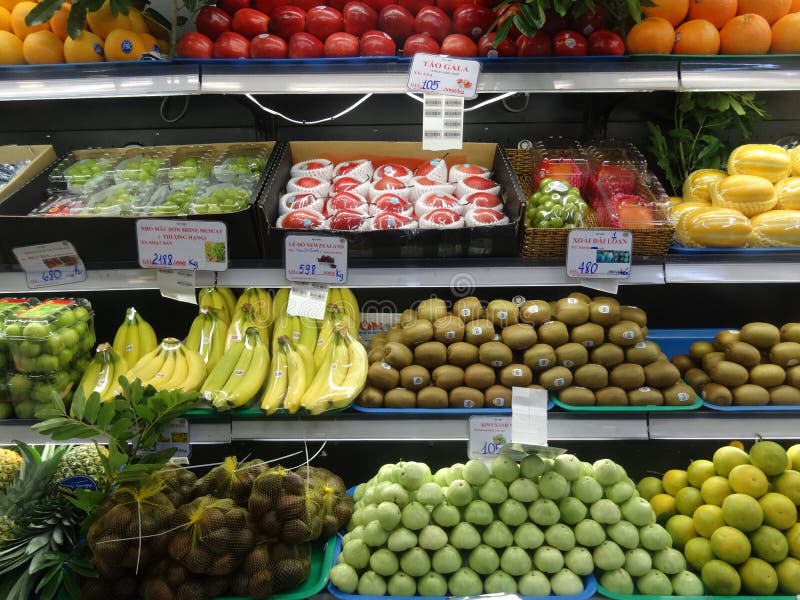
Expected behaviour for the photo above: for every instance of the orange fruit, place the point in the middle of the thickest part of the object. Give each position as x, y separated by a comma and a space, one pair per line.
9, 4
18, 25
717, 12
102, 22
10, 49
786, 35
5, 19
122, 44
697, 36
43, 48
58, 22
771, 10
652, 35
86, 48
745, 34
794, 8
673, 11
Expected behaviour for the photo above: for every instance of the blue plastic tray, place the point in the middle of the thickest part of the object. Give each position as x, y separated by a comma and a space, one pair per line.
589, 588
677, 341
438, 411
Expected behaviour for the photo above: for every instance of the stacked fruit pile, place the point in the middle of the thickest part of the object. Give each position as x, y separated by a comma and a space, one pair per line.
756, 366
756, 203
735, 518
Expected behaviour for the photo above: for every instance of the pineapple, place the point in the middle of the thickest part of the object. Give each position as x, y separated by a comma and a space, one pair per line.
10, 464
82, 467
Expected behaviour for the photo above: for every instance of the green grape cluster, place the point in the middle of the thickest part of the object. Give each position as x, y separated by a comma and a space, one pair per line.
140, 169
84, 171
222, 200
556, 204
190, 168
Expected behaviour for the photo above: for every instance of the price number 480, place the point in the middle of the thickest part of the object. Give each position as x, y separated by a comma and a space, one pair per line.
587, 267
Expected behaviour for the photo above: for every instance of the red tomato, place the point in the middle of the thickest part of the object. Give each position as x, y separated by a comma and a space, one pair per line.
249, 22
359, 17
449, 6
413, 6
305, 45
504, 48
458, 44
396, 21
472, 19
554, 22
267, 6
337, 4
569, 43
230, 44
377, 43
377, 5
606, 42
322, 21
419, 42
212, 21
341, 44
538, 45
432, 21
268, 45
231, 6
195, 45
306, 5
286, 20
590, 21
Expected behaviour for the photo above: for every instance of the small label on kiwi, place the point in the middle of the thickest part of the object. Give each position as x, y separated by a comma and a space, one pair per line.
503, 315
386, 365
450, 335
568, 363
791, 362
516, 372
499, 401
572, 300
533, 309
628, 335
469, 404
604, 309
465, 312
416, 380
477, 331
518, 300
544, 362
683, 396
639, 345
559, 382
588, 343
644, 389
497, 363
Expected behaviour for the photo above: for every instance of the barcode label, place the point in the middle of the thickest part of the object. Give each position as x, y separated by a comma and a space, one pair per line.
432, 134
442, 128
452, 114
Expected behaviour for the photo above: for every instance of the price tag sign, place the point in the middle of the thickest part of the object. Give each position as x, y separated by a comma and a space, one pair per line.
443, 75
529, 425
177, 285
316, 259
51, 264
599, 253
487, 436
176, 436
183, 245
307, 300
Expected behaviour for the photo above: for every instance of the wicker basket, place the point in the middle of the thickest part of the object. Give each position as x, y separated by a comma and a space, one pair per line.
552, 243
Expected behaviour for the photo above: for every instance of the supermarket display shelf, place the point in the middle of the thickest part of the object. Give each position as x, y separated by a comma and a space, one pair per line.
776, 267
770, 73
701, 425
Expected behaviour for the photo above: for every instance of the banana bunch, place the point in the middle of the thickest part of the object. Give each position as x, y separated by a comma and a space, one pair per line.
345, 301
170, 366
102, 373
292, 371
207, 336
242, 321
221, 299
238, 377
134, 338
259, 302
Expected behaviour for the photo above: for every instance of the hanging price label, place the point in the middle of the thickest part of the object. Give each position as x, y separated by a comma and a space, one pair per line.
51, 264
443, 75
176, 436
183, 245
487, 436
599, 253
316, 259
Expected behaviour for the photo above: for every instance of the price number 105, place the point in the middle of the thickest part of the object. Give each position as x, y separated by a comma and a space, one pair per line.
490, 448
430, 84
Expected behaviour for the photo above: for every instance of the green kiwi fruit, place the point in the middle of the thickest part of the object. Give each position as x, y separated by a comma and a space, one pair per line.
645, 396
594, 377
495, 354
479, 376
714, 393
572, 355
400, 398
729, 374
430, 354
519, 336
767, 376
680, 394
415, 377
502, 313
417, 332
479, 331
625, 333
784, 395
431, 309
633, 313
611, 396
556, 378
750, 395
580, 296
398, 355
697, 379
552, 304
395, 334
608, 355
790, 332
498, 396
590, 335
379, 339
785, 354
448, 377
643, 353
577, 396
371, 397
628, 376
699, 349
684, 362
661, 374
572, 311
743, 354
432, 397
535, 312
375, 354
662, 356
554, 333
383, 376
407, 316
462, 354
604, 312
468, 309
448, 329
761, 335
725, 338
516, 375
465, 397
712, 358
539, 357
793, 376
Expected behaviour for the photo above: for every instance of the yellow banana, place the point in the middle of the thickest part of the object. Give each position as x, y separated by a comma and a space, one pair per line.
228, 297
181, 371
120, 368
321, 382
297, 376
241, 388
277, 383
221, 372
147, 335
197, 371
121, 339
147, 366
164, 373
246, 297
341, 361
308, 362
207, 336
240, 323
349, 305
221, 399
91, 376
339, 396
325, 338
280, 302
265, 312
212, 297
308, 333
283, 327
194, 338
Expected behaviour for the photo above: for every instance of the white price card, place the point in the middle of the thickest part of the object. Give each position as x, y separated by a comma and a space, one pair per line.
487, 436
599, 253
176, 436
307, 300
529, 425
177, 285
183, 245
316, 259
51, 264
444, 75
442, 123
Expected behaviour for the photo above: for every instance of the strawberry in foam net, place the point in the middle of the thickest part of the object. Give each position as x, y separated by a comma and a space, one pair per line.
441, 218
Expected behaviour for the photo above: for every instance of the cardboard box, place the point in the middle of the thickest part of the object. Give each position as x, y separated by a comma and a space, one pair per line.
40, 158
498, 241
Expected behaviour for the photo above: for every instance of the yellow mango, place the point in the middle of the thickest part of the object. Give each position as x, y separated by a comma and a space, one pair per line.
776, 228
697, 187
748, 194
714, 228
762, 160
